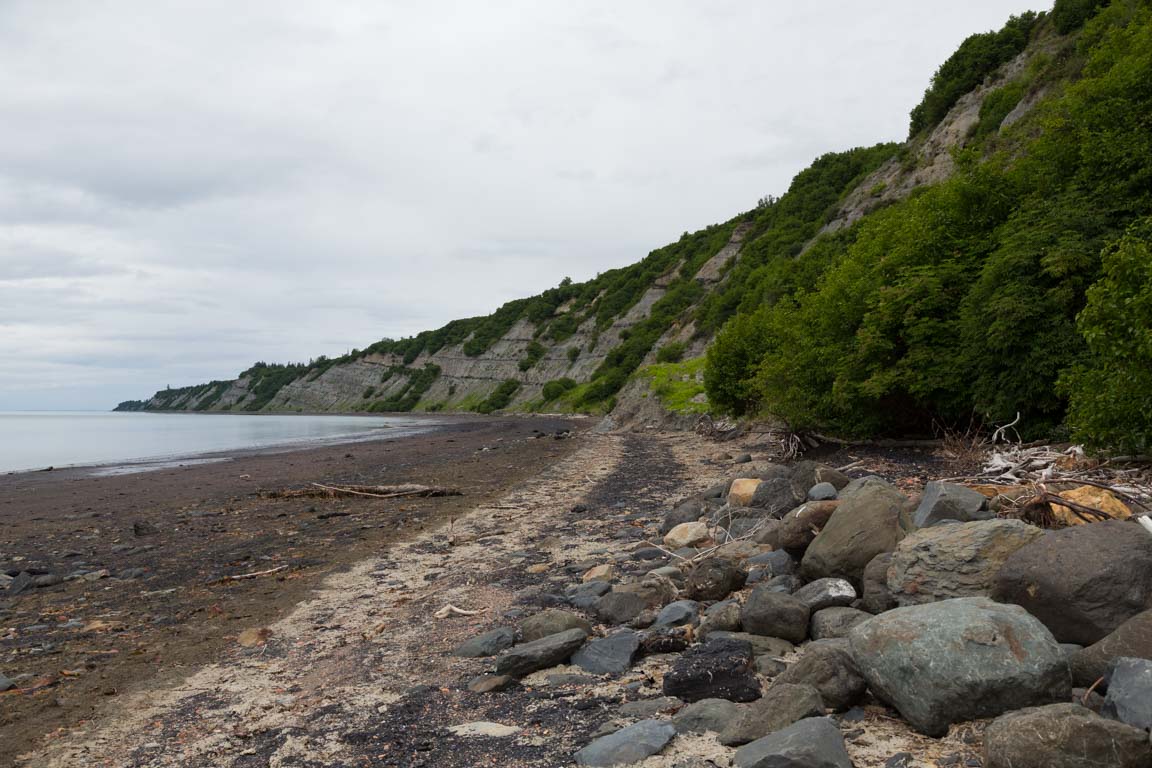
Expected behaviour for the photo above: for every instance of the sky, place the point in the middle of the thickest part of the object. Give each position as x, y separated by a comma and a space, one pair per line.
189, 187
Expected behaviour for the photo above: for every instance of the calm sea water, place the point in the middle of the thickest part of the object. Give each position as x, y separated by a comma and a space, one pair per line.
34, 440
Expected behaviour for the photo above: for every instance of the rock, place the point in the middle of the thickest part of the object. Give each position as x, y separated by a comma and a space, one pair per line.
864, 525
722, 617
1082, 582
826, 593
1129, 698
656, 590
961, 659
648, 553
687, 512
830, 670
785, 585
781, 706
768, 533
47, 580
483, 730
822, 492
600, 573
628, 745
552, 622
742, 490
144, 528
714, 579
947, 501
706, 715
646, 708
876, 597
612, 655
490, 683
540, 654
670, 572
778, 563
739, 551
1063, 736
687, 535
1133, 638
767, 666
19, 583
776, 615
678, 613
619, 607
761, 645
719, 669
814, 742
835, 622
959, 560
799, 527
593, 588
776, 497
838, 479
6, 684
487, 644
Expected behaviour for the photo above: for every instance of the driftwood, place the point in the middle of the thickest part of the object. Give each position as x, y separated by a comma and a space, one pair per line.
253, 575
450, 609
320, 490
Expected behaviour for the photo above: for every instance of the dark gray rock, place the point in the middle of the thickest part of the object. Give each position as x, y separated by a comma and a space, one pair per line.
785, 585
1129, 698
814, 742
761, 644
678, 614
769, 667
719, 669
488, 644
960, 560
769, 533
1063, 736
781, 706
619, 607
776, 615
612, 655
540, 654
829, 669
826, 593
654, 589
595, 588
775, 496
6, 684
1083, 582
714, 579
686, 512
645, 708
799, 527
490, 683
552, 622
649, 553
778, 562
706, 715
47, 580
628, 745
867, 523
835, 622
144, 528
876, 597
960, 659
721, 617
947, 501
1131, 639
822, 492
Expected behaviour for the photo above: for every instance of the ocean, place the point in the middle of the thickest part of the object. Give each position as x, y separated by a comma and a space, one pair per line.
127, 442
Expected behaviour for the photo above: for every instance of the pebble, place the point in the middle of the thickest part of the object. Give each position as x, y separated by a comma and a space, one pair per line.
490, 683
484, 729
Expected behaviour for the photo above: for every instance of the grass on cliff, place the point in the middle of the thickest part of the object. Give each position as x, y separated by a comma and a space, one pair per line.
677, 385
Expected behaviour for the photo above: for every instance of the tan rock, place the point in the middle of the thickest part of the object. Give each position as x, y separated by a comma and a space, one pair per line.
538, 568
742, 491
606, 572
687, 535
1090, 496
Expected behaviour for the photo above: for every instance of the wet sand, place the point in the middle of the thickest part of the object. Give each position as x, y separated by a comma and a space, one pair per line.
162, 610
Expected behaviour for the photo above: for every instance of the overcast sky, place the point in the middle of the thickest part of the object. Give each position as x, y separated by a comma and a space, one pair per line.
187, 187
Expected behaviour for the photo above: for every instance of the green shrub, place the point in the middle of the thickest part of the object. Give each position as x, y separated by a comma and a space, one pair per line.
500, 397
997, 105
573, 353
532, 355
673, 352
368, 392
1070, 15
556, 388
419, 381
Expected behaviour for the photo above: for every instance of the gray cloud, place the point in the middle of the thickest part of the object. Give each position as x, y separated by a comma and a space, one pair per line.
188, 187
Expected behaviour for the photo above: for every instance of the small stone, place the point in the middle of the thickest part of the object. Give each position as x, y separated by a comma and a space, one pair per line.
611, 655
552, 622
822, 492
775, 615
144, 528
619, 607
628, 745
781, 706
678, 614
646, 708
1129, 698
5, 683
484, 730
769, 667
835, 622
490, 683
761, 645
96, 575
687, 535
488, 644
606, 572
540, 654
1132, 639
721, 617
947, 501
249, 638
706, 715
813, 742
742, 491
21, 582
826, 593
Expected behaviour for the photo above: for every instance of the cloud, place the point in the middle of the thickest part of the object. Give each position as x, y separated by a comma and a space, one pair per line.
188, 187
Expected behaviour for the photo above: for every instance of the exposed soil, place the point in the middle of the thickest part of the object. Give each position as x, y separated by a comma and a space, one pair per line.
79, 648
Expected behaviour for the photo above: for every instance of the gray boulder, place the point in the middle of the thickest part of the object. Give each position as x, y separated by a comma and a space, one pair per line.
761, 645
706, 715
612, 655
1129, 698
654, 589
619, 607
776, 615
552, 622
826, 593
1132, 639
962, 659
876, 597
814, 742
775, 496
822, 492
835, 622
947, 501
487, 644
678, 614
719, 669
799, 527
628, 745
686, 512
1083, 582
721, 617
1063, 736
714, 579
781, 706
829, 668
540, 654
960, 560
867, 523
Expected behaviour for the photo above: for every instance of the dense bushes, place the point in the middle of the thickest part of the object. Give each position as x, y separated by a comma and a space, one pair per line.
419, 381
532, 355
500, 397
1070, 15
977, 57
557, 388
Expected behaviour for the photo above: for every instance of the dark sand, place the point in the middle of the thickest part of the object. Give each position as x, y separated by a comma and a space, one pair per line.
75, 647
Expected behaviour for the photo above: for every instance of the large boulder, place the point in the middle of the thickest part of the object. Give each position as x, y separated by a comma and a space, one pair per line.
826, 593
628, 746
814, 742
1132, 639
961, 659
719, 669
834, 622
1129, 698
799, 527
1063, 736
954, 560
830, 669
551, 622
714, 579
864, 525
775, 614
1082, 582
947, 501
619, 607
775, 497
612, 655
540, 654
781, 706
